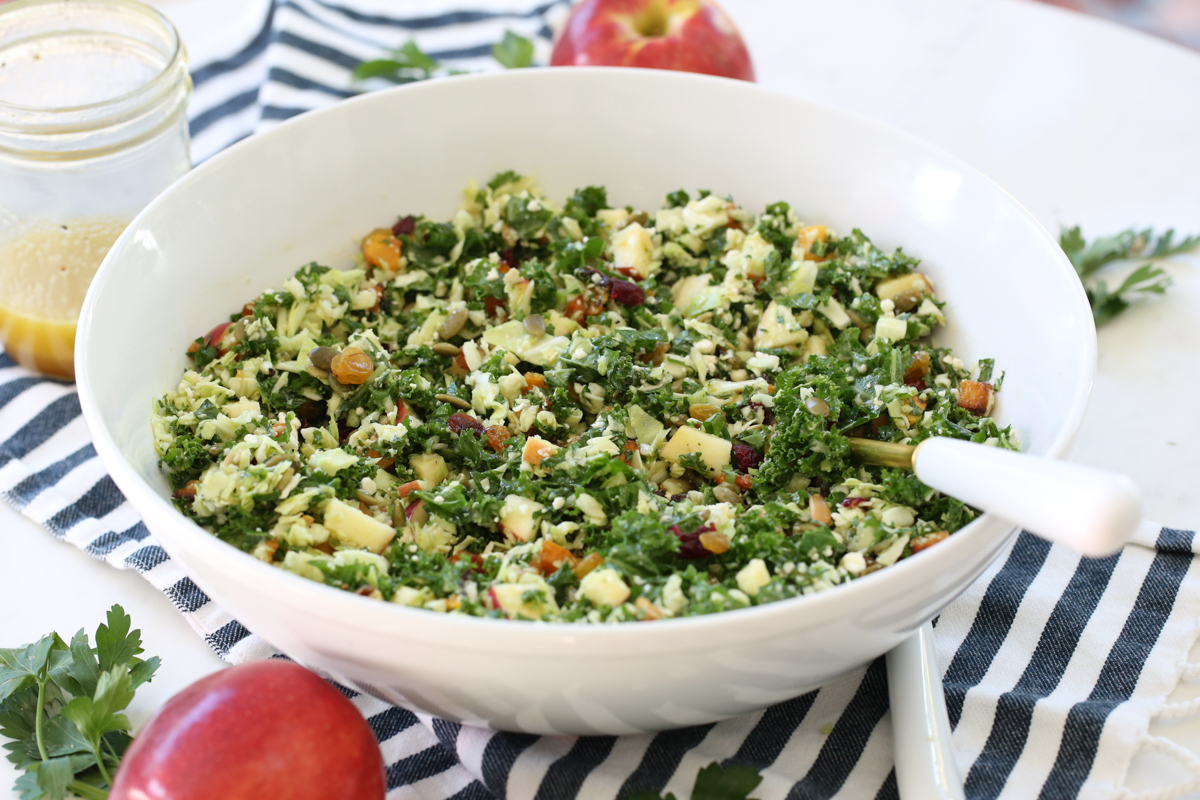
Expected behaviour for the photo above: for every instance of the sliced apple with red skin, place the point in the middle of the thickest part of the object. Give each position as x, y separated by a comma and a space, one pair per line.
530, 600
684, 35
408, 488
258, 730
213, 338
417, 514
516, 517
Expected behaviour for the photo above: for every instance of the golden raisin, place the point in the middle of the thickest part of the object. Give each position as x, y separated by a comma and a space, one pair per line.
352, 366
646, 609
714, 542
810, 236
496, 436
917, 369
382, 249
553, 556
587, 565
819, 509
975, 397
534, 379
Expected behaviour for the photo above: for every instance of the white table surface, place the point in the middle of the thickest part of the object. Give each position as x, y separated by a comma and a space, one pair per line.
1085, 123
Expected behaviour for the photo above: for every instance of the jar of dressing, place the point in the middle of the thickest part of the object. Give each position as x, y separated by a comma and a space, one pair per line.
93, 95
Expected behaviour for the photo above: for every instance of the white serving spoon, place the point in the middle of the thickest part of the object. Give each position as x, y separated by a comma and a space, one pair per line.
1091, 511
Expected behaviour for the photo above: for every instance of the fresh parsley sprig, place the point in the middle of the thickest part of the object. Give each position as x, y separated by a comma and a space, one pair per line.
513, 51
409, 63
61, 705
1088, 259
734, 782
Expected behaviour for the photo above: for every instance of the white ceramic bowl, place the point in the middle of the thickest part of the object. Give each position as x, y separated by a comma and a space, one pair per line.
312, 188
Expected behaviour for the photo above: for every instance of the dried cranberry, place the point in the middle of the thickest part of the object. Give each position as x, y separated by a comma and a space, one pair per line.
851, 502
405, 227
493, 304
746, 457
626, 293
689, 543
509, 258
460, 422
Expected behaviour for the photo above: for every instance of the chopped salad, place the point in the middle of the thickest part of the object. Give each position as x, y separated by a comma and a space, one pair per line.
577, 412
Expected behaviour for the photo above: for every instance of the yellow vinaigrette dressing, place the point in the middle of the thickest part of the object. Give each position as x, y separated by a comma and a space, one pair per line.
44, 275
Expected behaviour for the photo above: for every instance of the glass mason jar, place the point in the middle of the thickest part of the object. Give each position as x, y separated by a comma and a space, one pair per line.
93, 95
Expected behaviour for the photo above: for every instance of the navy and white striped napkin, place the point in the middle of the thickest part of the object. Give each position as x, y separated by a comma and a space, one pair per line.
1054, 665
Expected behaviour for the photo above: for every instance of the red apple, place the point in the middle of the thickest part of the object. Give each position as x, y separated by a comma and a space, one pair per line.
265, 729
686, 35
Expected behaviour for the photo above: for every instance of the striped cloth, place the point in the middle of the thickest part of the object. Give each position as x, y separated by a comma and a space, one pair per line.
1054, 665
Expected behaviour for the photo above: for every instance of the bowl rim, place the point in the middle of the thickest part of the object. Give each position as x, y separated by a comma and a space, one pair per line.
328, 600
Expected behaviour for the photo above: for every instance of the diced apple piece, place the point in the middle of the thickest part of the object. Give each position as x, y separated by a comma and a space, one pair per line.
750, 260
891, 328
802, 278
633, 246
976, 397
516, 517
530, 600
906, 291
509, 336
512, 336
428, 332
537, 450
612, 217
835, 313
693, 296
429, 467
714, 450
778, 327
753, 577
348, 524
546, 351
604, 587
704, 215
645, 427
560, 325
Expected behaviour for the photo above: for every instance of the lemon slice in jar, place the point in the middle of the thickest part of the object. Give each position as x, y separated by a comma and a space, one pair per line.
44, 274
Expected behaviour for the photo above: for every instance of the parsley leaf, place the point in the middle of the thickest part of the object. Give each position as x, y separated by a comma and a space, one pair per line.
1088, 259
734, 782
407, 63
513, 51
71, 745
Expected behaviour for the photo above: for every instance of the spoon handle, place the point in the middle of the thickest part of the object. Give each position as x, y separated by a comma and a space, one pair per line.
1091, 511
925, 768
